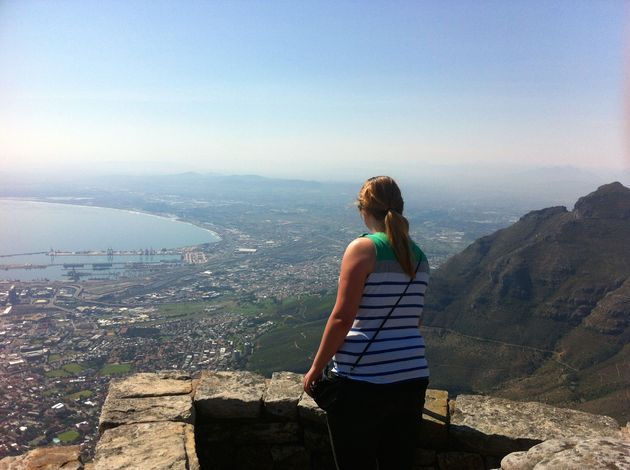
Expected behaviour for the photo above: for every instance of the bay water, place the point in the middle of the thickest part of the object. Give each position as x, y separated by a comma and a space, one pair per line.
39, 227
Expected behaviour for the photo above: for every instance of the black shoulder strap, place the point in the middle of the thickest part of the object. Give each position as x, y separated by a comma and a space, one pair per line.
385, 319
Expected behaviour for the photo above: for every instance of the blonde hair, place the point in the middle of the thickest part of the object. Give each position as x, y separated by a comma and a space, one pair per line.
380, 196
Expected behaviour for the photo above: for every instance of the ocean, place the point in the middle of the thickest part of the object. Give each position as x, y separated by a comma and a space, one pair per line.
39, 227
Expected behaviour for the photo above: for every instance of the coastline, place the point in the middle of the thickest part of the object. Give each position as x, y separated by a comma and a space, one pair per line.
171, 218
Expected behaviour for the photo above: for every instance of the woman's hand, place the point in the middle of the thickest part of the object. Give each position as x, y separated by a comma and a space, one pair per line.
311, 377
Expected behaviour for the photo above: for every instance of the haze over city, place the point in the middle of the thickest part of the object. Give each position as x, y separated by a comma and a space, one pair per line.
178, 189
313, 90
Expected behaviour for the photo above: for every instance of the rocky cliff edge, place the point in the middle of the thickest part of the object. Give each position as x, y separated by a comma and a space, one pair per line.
238, 420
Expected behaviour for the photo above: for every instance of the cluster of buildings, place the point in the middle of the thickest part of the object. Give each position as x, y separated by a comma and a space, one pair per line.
56, 363
62, 342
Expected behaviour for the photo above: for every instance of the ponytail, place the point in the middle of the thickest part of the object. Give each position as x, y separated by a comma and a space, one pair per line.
380, 196
397, 230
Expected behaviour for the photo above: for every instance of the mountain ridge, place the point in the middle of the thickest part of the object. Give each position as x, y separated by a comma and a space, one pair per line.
556, 280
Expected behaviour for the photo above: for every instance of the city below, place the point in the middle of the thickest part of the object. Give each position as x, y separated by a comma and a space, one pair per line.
204, 308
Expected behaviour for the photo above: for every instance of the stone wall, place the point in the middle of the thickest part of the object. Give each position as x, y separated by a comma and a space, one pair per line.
240, 420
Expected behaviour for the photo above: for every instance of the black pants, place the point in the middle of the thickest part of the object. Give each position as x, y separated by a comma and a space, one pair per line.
378, 425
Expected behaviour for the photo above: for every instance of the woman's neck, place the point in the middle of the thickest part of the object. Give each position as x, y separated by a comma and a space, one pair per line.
373, 224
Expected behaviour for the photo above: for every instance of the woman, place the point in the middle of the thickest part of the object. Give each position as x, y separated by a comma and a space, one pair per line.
377, 425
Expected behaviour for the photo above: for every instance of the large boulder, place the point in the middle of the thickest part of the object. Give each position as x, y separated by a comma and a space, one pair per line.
310, 412
151, 384
558, 454
496, 426
117, 411
148, 396
45, 458
158, 446
229, 395
282, 395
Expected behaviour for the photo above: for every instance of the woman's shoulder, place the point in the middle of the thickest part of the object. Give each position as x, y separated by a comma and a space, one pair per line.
359, 254
378, 239
361, 246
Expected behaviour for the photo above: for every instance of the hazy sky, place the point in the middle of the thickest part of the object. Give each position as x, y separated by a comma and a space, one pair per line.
312, 89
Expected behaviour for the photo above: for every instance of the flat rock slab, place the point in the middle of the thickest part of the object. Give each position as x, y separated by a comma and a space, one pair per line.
158, 446
117, 411
282, 395
496, 426
310, 412
45, 458
149, 384
230, 395
592, 454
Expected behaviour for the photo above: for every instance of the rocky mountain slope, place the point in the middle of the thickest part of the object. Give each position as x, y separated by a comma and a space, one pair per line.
540, 310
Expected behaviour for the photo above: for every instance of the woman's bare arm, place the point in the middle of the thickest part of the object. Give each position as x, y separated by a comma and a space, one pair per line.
358, 262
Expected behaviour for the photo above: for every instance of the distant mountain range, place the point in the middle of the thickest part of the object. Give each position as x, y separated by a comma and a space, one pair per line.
436, 186
540, 310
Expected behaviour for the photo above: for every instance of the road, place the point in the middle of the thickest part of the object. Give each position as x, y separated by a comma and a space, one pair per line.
503, 343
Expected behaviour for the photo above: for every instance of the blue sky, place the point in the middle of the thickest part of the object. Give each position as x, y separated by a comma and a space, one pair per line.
312, 88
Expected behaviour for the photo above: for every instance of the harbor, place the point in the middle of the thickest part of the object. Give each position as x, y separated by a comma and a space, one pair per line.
91, 265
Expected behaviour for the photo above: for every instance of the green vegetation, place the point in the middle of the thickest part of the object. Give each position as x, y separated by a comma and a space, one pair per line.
38, 441
80, 394
191, 310
142, 332
50, 392
184, 309
95, 363
115, 369
267, 306
291, 344
531, 312
54, 357
73, 368
68, 436
66, 370
57, 373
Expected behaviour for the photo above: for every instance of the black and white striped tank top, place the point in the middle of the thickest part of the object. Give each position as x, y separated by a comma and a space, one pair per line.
397, 353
